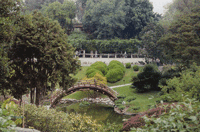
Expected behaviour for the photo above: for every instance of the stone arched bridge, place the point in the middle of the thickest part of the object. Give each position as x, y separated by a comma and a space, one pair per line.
81, 86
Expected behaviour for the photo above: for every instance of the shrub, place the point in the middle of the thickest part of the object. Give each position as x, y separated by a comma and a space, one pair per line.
90, 70
187, 84
100, 66
7, 116
128, 65
10, 106
92, 74
114, 75
147, 79
108, 127
50, 120
135, 67
168, 73
182, 117
118, 67
114, 63
100, 78
138, 122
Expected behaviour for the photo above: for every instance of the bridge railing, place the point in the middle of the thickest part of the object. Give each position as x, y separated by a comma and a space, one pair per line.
96, 83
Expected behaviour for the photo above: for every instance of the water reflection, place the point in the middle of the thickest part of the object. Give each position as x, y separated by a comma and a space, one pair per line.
99, 112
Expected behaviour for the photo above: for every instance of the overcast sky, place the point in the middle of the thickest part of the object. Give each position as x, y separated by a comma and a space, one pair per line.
158, 5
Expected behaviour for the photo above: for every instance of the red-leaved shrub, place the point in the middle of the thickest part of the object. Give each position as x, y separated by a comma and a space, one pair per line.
137, 121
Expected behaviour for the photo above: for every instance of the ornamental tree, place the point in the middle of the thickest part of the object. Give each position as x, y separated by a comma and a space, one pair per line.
40, 54
182, 43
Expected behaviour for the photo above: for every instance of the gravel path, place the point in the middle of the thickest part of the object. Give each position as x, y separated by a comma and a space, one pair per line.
120, 85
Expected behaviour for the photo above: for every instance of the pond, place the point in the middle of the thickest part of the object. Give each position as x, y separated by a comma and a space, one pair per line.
100, 112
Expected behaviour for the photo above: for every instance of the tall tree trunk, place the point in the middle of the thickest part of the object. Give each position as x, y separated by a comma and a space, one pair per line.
37, 101
4, 96
63, 81
32, 95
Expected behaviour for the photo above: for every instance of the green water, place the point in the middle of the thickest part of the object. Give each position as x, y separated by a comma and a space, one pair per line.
101, 113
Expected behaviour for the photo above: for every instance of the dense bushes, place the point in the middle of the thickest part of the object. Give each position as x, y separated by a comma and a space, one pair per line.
147, 79
114, 63
50, 120
7, 114
114, 75
98, 77
113, 72
116, 71
188, 84
138, 121
169, 72
128, 65
97, 67
135, 67
93, 73
100, 66
182, 117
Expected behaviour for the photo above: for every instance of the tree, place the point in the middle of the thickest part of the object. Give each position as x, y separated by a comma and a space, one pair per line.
9, 11
176, 9
31, 5
104, 18
138, 14
116, 18
150, 36
63, 13
182, 43
40, 54
80, 9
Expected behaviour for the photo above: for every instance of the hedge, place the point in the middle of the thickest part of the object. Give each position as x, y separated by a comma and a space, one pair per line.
106, 46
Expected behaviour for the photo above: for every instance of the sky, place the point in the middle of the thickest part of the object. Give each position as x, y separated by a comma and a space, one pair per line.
158, 5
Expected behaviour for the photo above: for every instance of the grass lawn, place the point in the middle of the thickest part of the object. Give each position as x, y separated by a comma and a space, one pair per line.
143, 100
81, 74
